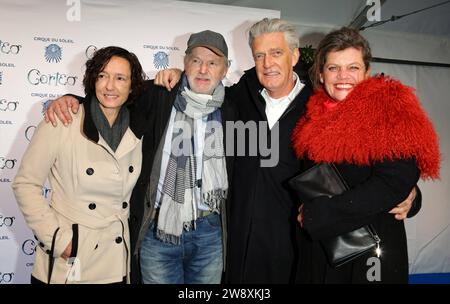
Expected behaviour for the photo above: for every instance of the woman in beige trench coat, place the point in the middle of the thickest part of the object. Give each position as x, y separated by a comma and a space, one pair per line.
92, 165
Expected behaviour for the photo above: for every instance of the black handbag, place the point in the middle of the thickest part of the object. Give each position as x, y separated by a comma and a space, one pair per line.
325, 179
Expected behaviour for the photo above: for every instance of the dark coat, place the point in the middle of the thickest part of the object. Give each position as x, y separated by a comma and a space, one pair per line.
375, 190
156, 103
262, 245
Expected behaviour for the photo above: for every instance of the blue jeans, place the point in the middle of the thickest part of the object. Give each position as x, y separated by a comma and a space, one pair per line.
197, 260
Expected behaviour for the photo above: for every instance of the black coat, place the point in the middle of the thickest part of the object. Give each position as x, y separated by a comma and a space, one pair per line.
156, 104
262, 225
374, 191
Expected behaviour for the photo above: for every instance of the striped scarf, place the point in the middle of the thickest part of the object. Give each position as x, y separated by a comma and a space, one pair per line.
178, 208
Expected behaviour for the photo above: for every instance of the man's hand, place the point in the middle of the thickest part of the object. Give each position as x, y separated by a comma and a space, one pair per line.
168, 78
61, 107
402, 209
66, 254
300, 215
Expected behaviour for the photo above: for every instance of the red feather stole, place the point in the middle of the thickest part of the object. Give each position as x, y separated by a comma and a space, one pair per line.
379, 119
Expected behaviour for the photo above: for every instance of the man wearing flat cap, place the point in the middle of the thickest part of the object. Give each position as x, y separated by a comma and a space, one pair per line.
178, 206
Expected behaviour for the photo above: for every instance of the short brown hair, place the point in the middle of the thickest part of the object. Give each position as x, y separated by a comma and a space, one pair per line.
101, 58
338, 40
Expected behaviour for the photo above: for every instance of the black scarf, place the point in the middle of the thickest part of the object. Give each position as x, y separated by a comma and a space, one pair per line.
112, 135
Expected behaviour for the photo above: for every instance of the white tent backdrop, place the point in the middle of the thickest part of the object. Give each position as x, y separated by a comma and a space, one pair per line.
149, 27
429, 232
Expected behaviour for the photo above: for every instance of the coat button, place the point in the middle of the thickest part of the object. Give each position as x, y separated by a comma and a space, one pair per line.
41, 244
92, 206
118, 240
124, 205
148, 204
131, 169
47, 251
35, 237
89, 171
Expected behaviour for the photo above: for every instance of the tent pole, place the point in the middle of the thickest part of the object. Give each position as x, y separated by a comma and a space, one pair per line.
409, 62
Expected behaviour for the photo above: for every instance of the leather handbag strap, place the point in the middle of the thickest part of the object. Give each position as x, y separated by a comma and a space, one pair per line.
333, 166
51, 259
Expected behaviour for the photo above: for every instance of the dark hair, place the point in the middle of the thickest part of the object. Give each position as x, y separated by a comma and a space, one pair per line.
338, 40
101, 58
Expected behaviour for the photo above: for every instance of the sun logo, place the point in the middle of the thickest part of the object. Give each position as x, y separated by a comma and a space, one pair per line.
53, 53
161, 60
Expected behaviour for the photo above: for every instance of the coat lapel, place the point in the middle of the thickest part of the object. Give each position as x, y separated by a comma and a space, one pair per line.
127, 144
254, 87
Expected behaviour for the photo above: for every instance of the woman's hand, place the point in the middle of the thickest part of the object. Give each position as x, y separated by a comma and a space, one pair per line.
66, 254
402, 209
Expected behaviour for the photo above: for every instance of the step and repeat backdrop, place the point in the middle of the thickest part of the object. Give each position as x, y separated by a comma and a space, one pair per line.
44, 45
43, 48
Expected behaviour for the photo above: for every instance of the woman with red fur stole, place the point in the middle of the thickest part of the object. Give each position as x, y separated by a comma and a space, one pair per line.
375, 132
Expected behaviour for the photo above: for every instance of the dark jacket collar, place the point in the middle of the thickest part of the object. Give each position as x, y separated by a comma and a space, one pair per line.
89, 128
138, 122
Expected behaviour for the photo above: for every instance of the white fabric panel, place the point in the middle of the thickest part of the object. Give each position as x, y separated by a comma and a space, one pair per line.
433, 224
407, 46
143, 27
428, 232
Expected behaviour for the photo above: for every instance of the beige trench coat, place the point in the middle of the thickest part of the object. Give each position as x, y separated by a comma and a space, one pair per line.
91, 188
